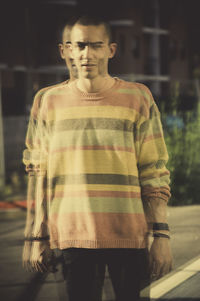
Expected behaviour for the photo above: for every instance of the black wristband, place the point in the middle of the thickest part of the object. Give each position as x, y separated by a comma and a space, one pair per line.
37, 238
160, 226
161, 235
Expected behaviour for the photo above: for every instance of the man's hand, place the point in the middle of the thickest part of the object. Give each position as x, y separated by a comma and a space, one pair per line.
160, 258
39, 258
26, 255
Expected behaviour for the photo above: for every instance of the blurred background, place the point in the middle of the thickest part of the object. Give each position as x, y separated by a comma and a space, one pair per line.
158, 45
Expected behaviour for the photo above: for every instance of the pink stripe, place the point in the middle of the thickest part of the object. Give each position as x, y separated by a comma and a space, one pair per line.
94, 147
159, 135
129, 101
98, 193
111, 101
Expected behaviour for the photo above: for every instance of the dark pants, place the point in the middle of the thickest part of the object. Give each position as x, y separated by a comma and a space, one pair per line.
84, 273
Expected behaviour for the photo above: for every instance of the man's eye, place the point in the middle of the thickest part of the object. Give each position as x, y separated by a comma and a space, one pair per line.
97, 46
81, 46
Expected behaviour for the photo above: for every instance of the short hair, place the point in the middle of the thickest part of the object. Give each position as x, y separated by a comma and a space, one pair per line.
67, 23
95, 21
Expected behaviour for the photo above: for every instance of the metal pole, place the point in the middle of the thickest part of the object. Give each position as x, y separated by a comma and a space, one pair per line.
2, 158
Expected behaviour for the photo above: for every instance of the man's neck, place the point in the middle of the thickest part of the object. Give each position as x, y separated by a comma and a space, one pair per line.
71, 80
72, 77
99, 84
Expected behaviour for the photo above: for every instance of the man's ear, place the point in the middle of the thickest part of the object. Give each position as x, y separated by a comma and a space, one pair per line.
113, 49
61, 50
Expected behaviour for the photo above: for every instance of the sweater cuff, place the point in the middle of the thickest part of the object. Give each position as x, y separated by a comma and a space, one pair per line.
156, 193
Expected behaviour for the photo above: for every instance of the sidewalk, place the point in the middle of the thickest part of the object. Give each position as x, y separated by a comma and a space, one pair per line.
18, 285
13, 201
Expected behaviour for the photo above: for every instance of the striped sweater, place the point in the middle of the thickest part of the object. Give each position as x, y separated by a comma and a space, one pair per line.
97, 157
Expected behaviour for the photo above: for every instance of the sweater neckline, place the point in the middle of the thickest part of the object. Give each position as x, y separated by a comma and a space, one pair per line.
97, 95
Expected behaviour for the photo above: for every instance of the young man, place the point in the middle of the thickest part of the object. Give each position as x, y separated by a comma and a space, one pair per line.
32, 251
100, 142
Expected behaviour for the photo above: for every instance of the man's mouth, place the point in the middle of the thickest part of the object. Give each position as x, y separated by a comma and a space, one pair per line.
88, 65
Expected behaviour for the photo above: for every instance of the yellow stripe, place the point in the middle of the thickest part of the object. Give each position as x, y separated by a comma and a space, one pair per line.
93, 112
156, 150
89, 161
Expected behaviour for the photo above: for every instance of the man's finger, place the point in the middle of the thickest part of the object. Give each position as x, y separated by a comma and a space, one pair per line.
36, 266
154, 270
161, 270
27, 265
157, 270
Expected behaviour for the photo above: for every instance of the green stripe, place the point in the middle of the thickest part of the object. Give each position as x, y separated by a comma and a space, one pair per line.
91, 137
92, 123
152, 125
157, 164
109, 179
153, 112
103, 205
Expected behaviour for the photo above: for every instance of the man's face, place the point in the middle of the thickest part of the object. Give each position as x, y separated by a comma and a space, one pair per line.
66, 53
91, 50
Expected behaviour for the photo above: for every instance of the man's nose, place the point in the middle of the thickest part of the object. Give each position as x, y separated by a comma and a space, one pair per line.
87, 51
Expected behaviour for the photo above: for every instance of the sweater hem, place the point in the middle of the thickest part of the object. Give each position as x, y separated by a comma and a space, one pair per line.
94, 244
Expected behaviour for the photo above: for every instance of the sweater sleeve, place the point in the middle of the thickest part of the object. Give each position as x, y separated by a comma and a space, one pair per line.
152, 159
35, 160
